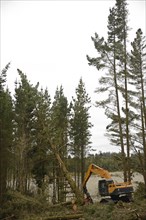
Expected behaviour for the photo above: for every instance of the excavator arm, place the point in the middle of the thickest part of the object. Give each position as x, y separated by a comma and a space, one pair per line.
96, 170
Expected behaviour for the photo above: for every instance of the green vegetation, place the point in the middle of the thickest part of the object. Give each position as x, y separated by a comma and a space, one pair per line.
27, 208
30, 125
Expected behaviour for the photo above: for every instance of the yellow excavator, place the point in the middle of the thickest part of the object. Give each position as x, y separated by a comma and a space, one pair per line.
108, 189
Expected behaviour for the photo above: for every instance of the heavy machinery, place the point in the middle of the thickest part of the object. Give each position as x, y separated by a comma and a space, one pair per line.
108, 189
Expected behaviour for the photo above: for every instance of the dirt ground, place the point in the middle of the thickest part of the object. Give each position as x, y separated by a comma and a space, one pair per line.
92, 184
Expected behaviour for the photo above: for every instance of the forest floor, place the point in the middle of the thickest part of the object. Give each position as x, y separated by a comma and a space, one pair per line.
27, 208
96, 211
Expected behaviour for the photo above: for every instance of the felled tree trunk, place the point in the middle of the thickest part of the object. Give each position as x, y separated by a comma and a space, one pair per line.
75, 189
73, 216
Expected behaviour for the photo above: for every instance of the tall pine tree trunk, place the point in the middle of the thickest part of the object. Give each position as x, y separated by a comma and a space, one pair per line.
144, 145
82, 164
3, 171
143, 121
119, 118
127, 111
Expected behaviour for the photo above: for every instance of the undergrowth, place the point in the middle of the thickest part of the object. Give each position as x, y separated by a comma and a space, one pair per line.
22, 207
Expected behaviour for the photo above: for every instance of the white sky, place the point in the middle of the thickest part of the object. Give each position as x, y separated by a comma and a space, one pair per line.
49, 41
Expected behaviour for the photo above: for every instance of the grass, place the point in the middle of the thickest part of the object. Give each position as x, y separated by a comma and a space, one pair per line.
28, 208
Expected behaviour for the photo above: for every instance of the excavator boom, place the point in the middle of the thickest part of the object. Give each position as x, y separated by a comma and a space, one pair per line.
96, 170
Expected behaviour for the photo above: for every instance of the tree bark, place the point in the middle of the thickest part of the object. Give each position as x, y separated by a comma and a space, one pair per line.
3, 172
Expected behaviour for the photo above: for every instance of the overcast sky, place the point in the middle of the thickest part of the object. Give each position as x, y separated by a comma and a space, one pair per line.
49, 41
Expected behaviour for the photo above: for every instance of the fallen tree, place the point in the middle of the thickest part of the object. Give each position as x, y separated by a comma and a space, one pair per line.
66, 217
75, 189
68, 203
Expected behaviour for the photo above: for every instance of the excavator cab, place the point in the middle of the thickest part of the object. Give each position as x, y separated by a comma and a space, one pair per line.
103, 186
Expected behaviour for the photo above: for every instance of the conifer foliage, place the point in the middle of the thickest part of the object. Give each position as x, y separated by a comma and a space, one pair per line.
30, 125
80, 129
6, 128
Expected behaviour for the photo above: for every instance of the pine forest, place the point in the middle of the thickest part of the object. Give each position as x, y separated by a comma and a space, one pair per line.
45, 142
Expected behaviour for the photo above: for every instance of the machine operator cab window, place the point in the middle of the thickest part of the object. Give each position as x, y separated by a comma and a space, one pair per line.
103, 186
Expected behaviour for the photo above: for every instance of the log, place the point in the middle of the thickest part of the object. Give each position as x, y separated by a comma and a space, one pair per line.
75, 189
66, 217
141, 216
61, 204
8, 217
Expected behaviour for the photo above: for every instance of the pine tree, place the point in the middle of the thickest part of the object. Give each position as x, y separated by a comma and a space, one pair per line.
112, 56
40, 150
6, 116
80, 129
122, 34
59, 121
116, 126
59, 137
25, 95
138, 97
